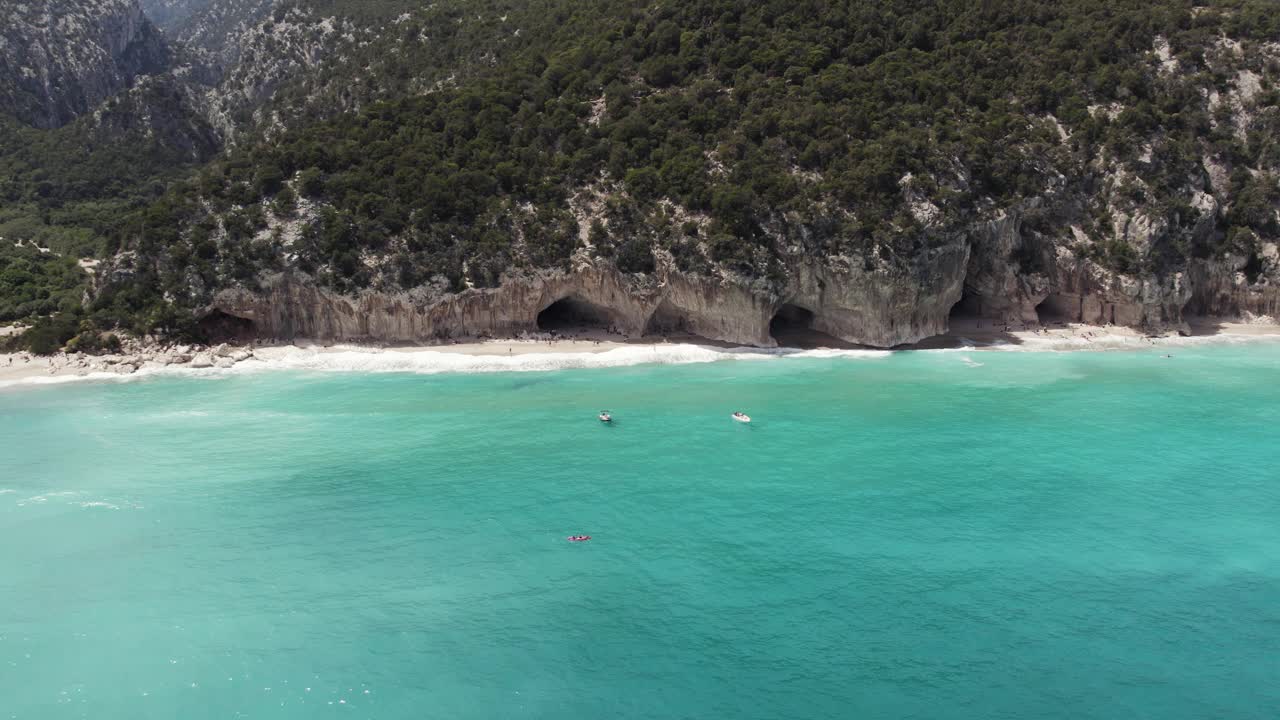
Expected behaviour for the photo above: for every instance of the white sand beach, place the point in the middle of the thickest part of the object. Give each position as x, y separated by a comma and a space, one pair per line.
585, 349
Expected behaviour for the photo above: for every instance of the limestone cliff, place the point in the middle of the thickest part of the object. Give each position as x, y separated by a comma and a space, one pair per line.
1237, 286
291, 306
1020, 275
878, 307
979, 275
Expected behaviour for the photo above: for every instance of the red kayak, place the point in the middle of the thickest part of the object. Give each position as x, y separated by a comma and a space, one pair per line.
578, 538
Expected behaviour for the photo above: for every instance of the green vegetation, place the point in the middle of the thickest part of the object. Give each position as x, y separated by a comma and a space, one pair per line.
67, 189
769, 122
35, 283
805, 104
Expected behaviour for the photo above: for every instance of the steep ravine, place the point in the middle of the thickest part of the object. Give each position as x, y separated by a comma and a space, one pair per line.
60, 58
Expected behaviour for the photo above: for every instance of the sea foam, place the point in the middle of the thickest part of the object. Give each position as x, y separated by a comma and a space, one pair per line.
427, 362
354, 358
358, 359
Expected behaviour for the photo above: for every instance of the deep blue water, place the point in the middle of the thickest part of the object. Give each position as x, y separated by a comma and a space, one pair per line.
915, 535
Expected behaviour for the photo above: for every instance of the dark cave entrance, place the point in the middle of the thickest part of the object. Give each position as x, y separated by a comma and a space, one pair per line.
220, 327
573, 313
792, 326
1056, 310
791, 320
967, 312
670, 321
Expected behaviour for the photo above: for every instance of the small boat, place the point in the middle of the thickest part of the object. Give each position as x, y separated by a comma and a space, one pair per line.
742, 417
605, 417
578, 538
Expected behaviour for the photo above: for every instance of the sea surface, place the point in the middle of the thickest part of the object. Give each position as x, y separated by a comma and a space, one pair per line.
896, 535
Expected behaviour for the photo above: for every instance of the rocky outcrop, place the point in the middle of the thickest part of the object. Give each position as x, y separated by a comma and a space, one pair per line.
1003, 268
998, 270
997, 285
216, 26
885, 305
61, 58
1237, 287
726, 311
171, 14
1083, 291
162, 109
878, 307
291, 306
1022, 276
139, 354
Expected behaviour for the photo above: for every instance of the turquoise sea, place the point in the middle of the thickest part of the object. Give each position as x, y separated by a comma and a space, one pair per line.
909, 535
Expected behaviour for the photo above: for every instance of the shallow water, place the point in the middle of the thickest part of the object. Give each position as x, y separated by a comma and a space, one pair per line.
933, 535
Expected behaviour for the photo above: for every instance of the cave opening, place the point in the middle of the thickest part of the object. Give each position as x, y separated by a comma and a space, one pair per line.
1057, 310
669, 320
220, 327
574, 313
966, 313
1253, 268
792, 326
791, 319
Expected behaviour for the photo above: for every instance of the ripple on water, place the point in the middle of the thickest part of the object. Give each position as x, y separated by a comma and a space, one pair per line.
74, 498
892, 538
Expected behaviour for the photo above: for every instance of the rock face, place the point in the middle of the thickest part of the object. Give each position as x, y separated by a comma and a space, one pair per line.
214, 26
170, 14
996, 284
1233, 287
887, 305
61, 58
161, 108
983, 273
291, 306
1084, 292
1020, 275
880, 307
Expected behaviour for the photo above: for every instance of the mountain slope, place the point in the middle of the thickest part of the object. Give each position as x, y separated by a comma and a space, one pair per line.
170, 14
99, 116
215, 26
866, 169
59, 59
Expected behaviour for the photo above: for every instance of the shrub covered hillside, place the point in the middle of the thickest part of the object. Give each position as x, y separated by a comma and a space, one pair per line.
461, 143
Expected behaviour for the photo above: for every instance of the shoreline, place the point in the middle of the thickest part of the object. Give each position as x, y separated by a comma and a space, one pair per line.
582, 350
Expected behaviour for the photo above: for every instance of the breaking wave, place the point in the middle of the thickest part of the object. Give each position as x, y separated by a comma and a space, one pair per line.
353, 358
434, 362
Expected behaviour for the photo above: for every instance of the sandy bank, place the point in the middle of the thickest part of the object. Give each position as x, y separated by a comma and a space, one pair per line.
586, 350
986, 335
